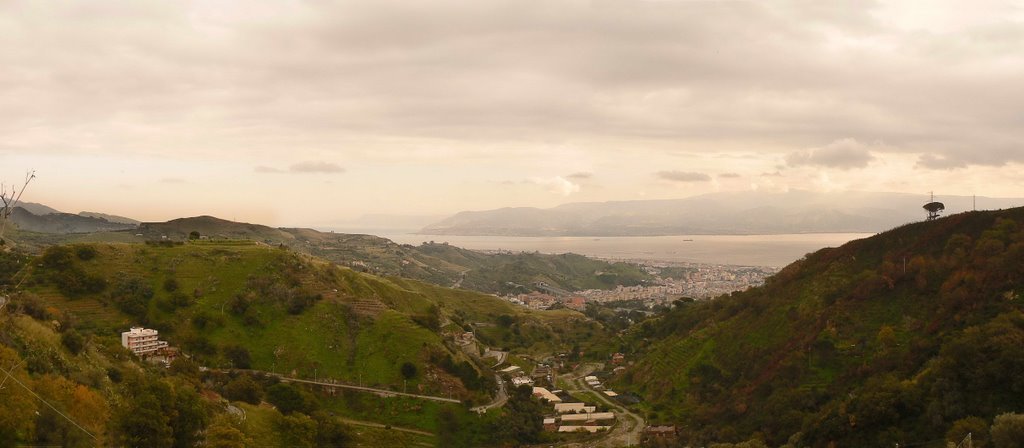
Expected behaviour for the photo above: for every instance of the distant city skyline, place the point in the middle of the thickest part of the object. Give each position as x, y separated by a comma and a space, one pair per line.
316, 113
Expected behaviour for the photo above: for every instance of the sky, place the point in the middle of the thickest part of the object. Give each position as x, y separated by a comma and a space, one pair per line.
318, 112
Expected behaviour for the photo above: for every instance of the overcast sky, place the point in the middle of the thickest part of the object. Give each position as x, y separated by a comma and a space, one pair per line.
316, 112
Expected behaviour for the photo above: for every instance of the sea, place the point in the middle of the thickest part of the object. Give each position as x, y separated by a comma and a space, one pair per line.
740, 250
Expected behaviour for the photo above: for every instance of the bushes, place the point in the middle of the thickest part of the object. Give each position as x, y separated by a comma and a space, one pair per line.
74, 341
132, 295
238, 355
289, 398
244, 388
61, 269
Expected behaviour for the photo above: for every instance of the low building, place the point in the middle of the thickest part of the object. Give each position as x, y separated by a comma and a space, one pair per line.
543, 393
521, 380
511, 370
583, 428
618, 358
611, 393
563, 408
589, 416
549, 424
142, 341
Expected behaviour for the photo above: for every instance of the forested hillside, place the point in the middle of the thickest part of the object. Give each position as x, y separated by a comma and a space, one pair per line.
906, 337
241, 305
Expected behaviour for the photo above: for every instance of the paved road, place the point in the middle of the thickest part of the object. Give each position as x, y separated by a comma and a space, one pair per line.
630, 425
383, 392
499, 399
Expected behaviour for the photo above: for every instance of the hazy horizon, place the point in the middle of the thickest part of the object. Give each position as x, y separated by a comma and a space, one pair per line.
316, 113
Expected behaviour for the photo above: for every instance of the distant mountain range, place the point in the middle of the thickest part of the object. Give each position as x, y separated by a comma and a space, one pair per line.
731, 213
34, 217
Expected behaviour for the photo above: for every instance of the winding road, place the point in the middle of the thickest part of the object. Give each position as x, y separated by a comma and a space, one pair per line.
629, 427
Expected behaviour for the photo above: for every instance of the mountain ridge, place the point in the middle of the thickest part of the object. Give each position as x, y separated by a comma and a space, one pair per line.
726, 213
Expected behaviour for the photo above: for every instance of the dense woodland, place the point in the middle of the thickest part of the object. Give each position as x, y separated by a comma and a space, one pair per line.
904, 338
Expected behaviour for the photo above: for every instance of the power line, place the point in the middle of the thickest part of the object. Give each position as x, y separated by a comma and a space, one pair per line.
9, 375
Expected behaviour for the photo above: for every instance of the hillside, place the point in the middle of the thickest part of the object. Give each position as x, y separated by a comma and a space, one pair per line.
244, 305
63, 223
439, 264
726, 213
890, 339
292, 313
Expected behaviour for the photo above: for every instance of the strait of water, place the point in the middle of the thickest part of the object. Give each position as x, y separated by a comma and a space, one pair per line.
744, 250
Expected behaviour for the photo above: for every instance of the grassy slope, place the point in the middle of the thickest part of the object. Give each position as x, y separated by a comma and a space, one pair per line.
329, 339
439, 264
793, 356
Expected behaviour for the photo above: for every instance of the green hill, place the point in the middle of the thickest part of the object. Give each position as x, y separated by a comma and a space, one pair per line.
890, 339
246, 306
290, 312
440, 264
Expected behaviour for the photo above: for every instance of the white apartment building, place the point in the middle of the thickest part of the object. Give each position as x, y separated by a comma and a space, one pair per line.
142, 341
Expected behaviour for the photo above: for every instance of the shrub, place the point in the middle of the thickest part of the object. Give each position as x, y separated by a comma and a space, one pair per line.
170, 284
85, 253
238, 355
243, 388
73, 341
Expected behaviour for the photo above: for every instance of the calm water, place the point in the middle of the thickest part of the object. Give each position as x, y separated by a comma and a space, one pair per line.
747, 250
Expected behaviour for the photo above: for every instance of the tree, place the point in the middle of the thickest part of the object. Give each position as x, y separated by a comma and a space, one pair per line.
17, 406
408, 370
244, 389
330, 432
1008, 431
976, 427
193, 235
239, 356
297, 430
222, 433
286, 398
73, 340
10, 200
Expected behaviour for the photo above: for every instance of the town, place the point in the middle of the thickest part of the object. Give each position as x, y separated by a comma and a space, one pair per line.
672, 281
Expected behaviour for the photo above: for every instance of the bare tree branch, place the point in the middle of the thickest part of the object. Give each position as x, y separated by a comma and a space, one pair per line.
11, 200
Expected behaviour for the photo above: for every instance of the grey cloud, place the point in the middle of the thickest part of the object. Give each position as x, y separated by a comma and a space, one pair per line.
729, 175
289, 74
580, 175
843, 154
682, 176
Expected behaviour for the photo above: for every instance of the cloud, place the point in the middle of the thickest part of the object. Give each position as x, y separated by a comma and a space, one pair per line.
939, 162
682, 176
729, 175
315, 167
303, 168
172, 180
842, 154
582, 175
772, 174
557, 184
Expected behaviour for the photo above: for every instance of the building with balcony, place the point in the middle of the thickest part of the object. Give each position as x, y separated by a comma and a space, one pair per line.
142, 341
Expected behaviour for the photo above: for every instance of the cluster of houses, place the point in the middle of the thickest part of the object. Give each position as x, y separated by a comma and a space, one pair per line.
572, 416
541, 301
